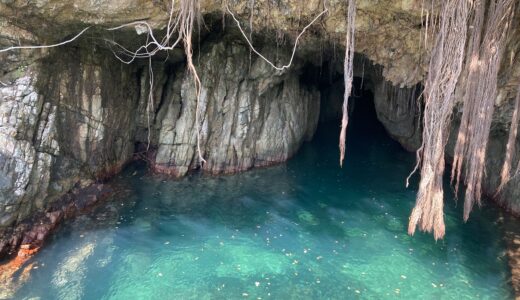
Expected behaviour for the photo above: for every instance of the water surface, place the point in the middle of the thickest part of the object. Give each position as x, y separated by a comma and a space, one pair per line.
302, 230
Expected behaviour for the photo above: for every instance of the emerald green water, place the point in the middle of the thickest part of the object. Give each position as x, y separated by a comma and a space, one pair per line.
302, 230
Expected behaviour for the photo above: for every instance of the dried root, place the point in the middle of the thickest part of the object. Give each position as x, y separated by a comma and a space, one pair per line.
480, 93
348, 74
444, 70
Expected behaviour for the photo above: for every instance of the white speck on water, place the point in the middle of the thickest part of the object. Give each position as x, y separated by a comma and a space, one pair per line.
257, 284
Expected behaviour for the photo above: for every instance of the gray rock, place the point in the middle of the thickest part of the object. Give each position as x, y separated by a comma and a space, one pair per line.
248, 117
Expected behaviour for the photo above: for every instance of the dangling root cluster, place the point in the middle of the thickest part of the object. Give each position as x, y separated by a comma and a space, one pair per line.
479, 83
443, 73
479, 98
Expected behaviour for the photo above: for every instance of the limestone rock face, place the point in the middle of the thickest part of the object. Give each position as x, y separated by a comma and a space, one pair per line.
65, 120
399, 112
21, 136
249, 114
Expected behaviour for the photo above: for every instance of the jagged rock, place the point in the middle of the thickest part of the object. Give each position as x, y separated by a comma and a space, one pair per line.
250, 115
62, 121
399, 112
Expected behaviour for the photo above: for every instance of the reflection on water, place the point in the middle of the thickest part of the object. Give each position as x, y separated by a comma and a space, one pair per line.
306, 229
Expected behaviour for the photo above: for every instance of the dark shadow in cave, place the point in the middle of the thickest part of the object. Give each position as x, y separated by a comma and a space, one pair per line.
363, 119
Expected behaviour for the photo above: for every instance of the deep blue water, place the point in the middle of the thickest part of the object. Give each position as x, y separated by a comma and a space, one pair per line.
306, 229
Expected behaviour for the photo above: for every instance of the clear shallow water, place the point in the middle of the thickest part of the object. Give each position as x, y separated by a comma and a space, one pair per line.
302, 230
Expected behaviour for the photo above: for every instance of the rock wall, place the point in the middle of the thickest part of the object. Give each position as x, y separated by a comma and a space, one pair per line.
63, 120
401, 118
66, 121
250, 114
399, 112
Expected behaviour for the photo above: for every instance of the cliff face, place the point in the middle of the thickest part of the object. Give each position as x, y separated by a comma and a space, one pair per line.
250, 114
71, 116
66, 120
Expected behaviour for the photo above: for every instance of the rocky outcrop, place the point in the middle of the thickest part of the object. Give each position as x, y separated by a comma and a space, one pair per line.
388, 31
66, 120
250, 114
399, 112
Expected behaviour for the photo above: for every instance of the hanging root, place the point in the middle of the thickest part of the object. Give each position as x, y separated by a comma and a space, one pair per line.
286, 66
182, 24
470, 72
444, 70
188, 15
479, 98
47, 46
505, 175
348, 73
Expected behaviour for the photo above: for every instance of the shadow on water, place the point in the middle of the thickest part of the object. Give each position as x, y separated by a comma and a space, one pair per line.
304, 229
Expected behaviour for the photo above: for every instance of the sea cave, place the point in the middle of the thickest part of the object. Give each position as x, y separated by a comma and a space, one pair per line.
259, 149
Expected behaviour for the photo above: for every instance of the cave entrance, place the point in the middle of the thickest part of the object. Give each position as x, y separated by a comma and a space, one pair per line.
378, 110
383, 118
362, 111
363, 119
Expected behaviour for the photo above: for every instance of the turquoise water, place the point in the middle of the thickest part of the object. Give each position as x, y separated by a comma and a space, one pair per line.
302, 230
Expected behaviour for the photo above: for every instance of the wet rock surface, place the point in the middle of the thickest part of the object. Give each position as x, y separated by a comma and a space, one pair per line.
250, 114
